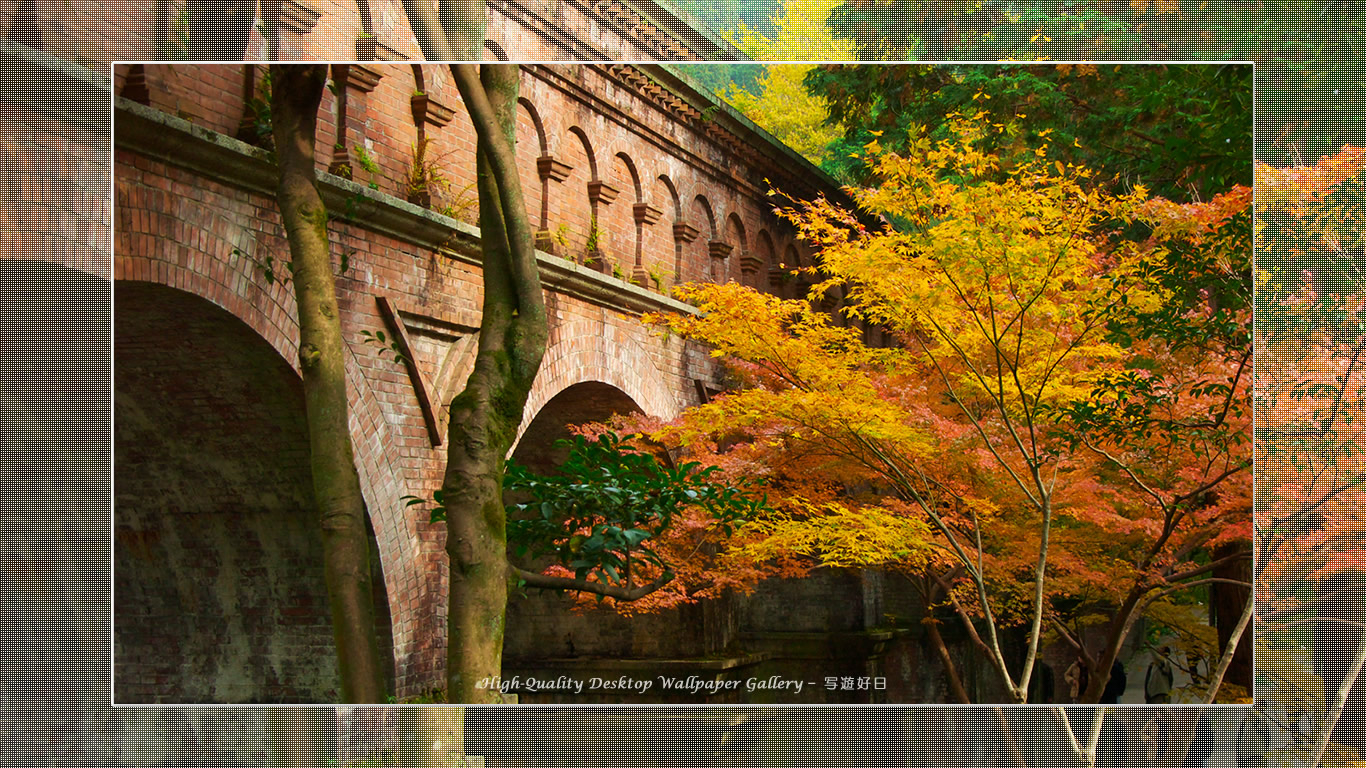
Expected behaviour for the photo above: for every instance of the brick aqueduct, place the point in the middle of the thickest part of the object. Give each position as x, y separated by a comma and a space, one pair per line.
636, 181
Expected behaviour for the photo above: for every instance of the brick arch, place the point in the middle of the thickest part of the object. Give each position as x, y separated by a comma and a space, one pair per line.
616, 221
586, 351
696, 263
578, 403
763, 246
269, 311
663, 252
587, 145
571, 215
203, 403
735, 232
535, 187
534, 116
670, 197
632, 173
706, 216
768, 259
736, 238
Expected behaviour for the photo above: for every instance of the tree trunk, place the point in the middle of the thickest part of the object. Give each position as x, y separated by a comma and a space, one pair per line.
431, 736
956, 688
452, 30
1342, 614
1226, 603
485, 416
302, 737
297, 91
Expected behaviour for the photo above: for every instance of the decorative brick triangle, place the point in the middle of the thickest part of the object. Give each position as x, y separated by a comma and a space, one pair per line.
438, 355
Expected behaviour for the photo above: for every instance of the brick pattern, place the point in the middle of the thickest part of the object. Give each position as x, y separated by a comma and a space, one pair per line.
217, 588
330, 30
629, 159
48, 168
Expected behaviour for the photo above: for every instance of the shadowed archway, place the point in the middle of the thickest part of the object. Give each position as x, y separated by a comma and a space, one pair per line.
218, 588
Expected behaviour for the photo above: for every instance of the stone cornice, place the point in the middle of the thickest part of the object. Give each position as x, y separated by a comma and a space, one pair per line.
781, 167
177, 142
657, 29
671, 91
740, 129
32, 78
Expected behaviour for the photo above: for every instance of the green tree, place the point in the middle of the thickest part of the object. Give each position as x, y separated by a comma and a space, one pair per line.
777, 100
1182, 131
608, 514
1310, 55
295, 96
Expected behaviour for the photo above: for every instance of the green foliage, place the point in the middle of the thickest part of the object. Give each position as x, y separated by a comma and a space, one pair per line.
367, 162
259, 107
1208, 285
385, 344
718, 77
438, 501
659, 276
424, 176
1183, 131
267, 267
593, 244
176, 46
1321, 244
608, 503
718, 17
1310, 56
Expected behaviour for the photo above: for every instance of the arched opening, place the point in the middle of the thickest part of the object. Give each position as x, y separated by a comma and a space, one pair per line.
545, 636
54, 326
578, 404
218, 586
727, 268
531, 148
697, 257
766, 268
662, 245
572, 215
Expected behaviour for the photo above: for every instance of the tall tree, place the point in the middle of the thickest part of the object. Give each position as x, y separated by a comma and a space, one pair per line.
1311, 424
485, 416
952, 454
777, 100
1182, 131
513, 332
1309, 54
295, 96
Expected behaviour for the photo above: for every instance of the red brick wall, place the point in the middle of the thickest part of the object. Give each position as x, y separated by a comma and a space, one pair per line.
605, 130
48, 167
217, 587
205, 237
92, 32
178, 230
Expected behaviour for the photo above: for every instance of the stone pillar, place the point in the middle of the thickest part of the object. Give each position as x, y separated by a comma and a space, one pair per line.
645, 215
719, 252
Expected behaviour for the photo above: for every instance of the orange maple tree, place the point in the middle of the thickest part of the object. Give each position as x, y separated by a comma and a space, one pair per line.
1310, 399
1043, 439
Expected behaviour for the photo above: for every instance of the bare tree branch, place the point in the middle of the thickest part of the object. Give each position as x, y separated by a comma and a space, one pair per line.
546, 581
